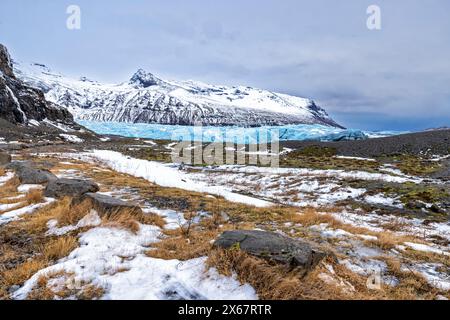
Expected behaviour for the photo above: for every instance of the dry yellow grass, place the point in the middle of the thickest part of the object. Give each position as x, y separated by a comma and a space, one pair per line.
81, 291
412, 285
273, 282
2, 171
12, 200
152, 219
36, 224
71, 214
177, 246
59, 248
130, 218
9, 189
21, 273
41, 291
124, 220
45, 254
34, 196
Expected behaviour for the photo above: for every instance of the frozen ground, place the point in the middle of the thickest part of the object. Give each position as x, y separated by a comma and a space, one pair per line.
114, 259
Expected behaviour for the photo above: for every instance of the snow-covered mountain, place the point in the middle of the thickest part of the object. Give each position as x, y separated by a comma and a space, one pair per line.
146, 98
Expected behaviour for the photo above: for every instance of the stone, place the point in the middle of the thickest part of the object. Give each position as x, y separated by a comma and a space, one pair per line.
272, 246
61, 188
27, 174
4, 158
107, 205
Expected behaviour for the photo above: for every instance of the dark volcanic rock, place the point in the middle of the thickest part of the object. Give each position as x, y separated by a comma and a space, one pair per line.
20, 103
69, 187
106, 205
4, 158
419, 143
5, 62
272, 246
28, 174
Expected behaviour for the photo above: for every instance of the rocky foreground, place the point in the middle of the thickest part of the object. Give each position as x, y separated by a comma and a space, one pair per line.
113, 218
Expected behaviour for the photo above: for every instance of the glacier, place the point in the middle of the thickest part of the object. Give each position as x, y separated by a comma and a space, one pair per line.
301, 132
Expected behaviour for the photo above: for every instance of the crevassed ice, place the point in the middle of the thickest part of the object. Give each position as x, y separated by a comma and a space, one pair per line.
225, 134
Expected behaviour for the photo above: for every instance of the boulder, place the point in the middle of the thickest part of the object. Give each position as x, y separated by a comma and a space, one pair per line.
15, 165
60, 188
108, 206
28, 174
4, 158
272, 246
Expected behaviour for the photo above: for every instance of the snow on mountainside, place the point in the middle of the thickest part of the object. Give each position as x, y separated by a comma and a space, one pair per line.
146, 98
21, 104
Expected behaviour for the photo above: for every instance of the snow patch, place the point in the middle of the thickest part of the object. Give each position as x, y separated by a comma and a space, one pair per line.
165, 175
71, 138
15, 214
115, 260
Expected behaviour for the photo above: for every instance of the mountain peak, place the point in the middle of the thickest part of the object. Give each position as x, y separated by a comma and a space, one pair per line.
144, 79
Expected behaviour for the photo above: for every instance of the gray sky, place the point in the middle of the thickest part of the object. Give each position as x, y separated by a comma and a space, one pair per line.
394, 78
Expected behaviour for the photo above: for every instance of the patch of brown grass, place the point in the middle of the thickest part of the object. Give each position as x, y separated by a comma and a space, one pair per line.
123, 220
44, 255
130, 218
271, 281
386, 240
7, 254
59, 248
34, 196
2, 171
62, 210
9, 189
11, 200
70, 214
412, 285
91, 292
152, 219
310, 216
21, 273
41, 291
426, 257
36, 223
82, 291
176, 246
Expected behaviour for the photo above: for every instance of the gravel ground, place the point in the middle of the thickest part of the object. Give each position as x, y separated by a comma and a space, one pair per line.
427, 142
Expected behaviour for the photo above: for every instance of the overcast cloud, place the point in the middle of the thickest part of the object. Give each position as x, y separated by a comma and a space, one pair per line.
395, 78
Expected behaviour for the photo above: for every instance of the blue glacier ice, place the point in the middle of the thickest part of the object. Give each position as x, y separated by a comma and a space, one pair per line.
231, 134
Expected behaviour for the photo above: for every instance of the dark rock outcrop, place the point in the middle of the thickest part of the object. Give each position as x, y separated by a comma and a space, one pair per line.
272, 246
28, 174
5, 158
5, 62
20, 103
107, 206
60, 188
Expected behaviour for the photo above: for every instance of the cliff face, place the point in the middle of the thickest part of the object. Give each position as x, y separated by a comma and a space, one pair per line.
20, 104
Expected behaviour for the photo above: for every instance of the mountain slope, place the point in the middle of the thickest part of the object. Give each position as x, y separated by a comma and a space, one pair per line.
21, 104
146, 98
